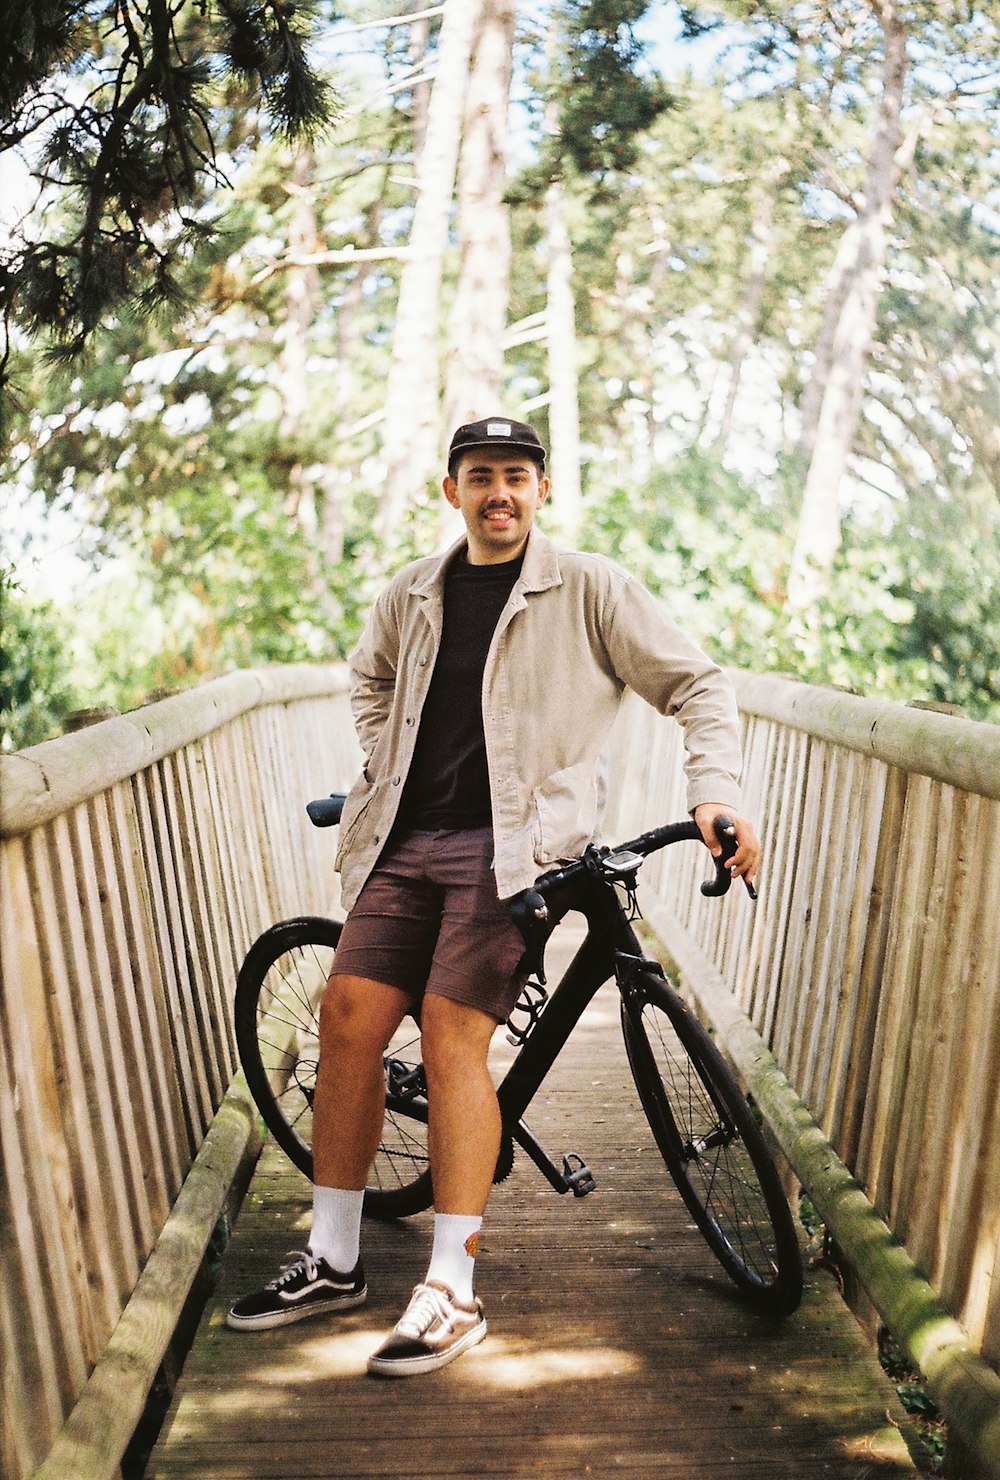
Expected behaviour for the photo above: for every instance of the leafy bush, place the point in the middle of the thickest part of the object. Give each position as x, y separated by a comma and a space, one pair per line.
35, 690
913, 611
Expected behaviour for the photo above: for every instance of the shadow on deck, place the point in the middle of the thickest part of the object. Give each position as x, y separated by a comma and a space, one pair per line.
617, 1345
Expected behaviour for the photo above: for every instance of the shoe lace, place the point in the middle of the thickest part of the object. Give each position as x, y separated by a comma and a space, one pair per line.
294, 1263
426, 1306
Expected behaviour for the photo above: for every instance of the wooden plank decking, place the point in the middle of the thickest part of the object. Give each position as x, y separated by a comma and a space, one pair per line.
616, 1345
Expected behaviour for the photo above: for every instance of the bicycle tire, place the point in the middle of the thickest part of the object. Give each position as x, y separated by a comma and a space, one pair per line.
712, 1145
278, 991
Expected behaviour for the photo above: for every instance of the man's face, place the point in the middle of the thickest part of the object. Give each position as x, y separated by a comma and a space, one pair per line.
497, 492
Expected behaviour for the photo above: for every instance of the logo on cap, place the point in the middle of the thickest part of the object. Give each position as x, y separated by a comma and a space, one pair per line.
498, 429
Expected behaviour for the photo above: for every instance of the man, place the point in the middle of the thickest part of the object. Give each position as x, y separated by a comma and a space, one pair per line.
484, 688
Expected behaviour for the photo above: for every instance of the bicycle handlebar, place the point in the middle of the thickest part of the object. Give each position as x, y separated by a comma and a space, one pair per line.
643, 845
326, 812
530, 908
536, 921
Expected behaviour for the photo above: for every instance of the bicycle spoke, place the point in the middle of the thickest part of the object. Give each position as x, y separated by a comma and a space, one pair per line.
702, 1123
731, 1196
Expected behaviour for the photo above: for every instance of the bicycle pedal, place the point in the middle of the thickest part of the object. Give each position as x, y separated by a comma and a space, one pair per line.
577, 1175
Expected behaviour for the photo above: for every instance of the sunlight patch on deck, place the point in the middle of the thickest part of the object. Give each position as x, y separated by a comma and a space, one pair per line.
507, 1363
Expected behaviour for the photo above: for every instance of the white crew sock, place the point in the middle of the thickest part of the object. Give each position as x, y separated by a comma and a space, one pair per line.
453, 1256
336, 1227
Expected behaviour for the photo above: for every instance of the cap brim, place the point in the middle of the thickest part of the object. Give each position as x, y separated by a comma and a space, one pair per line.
502, 445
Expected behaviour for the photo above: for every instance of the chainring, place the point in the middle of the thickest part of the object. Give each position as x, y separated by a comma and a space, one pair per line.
505, 1161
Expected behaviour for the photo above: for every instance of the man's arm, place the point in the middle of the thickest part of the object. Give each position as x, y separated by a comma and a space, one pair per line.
672, 674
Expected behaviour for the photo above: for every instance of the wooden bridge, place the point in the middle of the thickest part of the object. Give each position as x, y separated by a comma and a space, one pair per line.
616, 1344
860, 999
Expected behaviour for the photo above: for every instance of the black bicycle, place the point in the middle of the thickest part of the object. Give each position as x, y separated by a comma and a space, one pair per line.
703, 1124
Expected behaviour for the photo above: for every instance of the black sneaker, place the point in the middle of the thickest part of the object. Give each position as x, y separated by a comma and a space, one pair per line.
434, 1329
306, 1287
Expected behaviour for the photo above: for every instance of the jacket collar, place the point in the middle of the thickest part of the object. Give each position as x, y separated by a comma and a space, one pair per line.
539, 571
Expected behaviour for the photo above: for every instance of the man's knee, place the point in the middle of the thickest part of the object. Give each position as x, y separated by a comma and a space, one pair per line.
357, 1015
454, 1036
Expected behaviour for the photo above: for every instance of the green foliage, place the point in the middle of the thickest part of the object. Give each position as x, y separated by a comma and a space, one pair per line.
600, 98
607, 100
118, 109
242, 528
916, 1400
35, 691
704, 543
913, 612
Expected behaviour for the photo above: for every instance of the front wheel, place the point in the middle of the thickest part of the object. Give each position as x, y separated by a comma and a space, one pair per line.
278, 993
713, 1147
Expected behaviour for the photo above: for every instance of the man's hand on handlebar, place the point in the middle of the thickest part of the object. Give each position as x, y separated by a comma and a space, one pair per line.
745, 860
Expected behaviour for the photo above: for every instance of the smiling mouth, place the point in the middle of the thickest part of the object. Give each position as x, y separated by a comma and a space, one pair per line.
497, 513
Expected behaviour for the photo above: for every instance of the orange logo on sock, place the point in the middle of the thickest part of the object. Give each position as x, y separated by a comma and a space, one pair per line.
472, 1244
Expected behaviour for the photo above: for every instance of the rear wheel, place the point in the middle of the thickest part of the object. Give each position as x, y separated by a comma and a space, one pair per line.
712, 1145
278, 993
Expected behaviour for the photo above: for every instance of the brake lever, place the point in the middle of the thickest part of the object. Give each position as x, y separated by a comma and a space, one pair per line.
726, 834
531, 916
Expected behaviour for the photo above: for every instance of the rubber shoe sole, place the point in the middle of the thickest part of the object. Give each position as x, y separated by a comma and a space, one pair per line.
268, 1320
389, 1366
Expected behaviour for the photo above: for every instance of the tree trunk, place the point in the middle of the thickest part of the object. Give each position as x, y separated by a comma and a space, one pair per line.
410, 440
836, 287
763, 198
479, 310
419, 36
818, 535
564, 389
292, 370
341, 465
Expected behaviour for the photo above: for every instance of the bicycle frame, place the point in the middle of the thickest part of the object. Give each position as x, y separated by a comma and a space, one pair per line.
608, 933
586, 886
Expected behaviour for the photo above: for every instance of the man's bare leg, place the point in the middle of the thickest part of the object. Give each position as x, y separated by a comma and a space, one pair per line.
443, 1318
357, 1019
464, 1117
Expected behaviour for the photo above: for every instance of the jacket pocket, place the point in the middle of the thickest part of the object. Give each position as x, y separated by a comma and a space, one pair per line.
567, 805
359, 799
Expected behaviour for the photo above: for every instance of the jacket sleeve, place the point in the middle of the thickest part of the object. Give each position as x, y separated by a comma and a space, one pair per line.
372, 667
663, 666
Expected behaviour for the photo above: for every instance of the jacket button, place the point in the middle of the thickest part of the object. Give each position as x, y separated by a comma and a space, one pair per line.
410, 720
376, 839
423, 663
396, 780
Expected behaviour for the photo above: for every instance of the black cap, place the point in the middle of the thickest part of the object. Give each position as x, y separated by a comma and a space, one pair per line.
496, 431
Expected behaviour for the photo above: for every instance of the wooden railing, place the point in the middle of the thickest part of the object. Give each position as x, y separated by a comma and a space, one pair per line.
870, 967
140, 857
138, 860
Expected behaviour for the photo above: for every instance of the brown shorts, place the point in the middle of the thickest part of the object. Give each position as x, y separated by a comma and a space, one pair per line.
428, 919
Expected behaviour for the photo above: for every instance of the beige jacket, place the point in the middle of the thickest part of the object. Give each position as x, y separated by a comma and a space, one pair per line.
576, 631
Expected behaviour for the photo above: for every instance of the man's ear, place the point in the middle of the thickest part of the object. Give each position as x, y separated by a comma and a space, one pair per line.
450, 490
544, 484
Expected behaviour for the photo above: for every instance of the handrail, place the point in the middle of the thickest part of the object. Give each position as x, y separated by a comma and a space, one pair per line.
869, 971
38, 784
960, 752
139, 858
